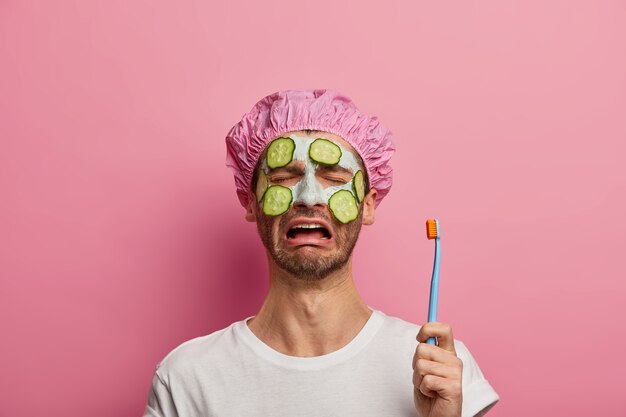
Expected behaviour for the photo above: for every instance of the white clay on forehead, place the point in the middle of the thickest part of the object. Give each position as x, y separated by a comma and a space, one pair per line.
301, 153
309, 190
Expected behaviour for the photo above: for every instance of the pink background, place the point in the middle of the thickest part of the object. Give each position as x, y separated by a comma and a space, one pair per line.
121, 235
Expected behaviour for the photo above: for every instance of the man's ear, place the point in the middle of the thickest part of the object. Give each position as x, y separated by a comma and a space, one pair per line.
251, 208
369, 207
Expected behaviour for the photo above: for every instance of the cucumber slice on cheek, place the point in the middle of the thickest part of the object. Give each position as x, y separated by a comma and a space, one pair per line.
276, 200
343, 206
358, 184
325, 152
280, 152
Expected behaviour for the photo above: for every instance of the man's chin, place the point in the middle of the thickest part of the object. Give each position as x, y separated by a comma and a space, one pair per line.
306, 263
308, 272
309, 255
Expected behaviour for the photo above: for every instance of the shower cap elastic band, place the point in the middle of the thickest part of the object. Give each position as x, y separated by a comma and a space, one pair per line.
323, 110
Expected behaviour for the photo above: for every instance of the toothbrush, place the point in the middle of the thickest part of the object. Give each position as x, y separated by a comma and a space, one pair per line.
434, 232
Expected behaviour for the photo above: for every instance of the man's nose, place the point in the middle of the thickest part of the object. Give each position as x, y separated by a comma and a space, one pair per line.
309, 193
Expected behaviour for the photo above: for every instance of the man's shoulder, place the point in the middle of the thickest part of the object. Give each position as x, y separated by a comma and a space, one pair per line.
396, 335
202, 349
397, 325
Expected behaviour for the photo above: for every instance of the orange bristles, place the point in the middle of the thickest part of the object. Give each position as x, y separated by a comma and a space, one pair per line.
431, 229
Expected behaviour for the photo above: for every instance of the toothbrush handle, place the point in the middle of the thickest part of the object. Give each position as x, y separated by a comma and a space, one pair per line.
434, 291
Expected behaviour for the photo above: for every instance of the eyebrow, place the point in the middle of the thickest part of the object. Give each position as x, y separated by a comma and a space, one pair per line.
335, 168
291, 169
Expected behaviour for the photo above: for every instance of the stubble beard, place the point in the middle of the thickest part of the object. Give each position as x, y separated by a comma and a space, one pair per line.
309, 268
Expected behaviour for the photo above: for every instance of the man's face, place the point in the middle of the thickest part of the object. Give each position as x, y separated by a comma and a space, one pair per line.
307, 240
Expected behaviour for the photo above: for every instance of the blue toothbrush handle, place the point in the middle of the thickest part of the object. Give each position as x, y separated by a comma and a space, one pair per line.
434, 291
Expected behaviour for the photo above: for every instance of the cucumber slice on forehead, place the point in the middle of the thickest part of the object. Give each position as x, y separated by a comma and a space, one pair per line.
358, 184
325, 152
343, 206
280, 152
276, 200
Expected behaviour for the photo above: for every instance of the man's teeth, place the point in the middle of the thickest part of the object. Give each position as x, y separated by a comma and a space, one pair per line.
308, 226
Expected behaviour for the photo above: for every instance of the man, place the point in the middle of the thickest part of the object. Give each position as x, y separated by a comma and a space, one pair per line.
310, 169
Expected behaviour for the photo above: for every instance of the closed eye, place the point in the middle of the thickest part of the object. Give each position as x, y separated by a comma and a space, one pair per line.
335, 175
285, 178
278, 180
335, 180
287, 175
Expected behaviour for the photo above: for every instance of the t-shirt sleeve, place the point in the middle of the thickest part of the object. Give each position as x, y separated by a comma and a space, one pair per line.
160, 402
477, 393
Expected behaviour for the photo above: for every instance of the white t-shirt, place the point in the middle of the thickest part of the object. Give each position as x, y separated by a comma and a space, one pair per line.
233, 373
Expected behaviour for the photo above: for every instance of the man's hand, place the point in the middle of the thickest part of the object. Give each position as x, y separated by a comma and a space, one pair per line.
437, 373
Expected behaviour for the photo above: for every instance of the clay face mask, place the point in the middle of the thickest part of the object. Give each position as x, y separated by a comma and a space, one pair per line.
316, 155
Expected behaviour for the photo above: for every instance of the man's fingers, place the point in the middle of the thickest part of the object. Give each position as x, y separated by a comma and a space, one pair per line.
437, 370
446, 370
446, 388
434, 353
423, 367
443, 333
425, 391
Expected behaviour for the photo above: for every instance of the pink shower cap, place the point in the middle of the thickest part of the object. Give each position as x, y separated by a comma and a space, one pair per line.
324, 110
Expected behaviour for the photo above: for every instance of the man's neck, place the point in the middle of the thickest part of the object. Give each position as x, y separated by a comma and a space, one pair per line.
310, 318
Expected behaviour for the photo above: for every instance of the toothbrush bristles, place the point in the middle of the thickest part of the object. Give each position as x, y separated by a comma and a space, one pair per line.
431, 229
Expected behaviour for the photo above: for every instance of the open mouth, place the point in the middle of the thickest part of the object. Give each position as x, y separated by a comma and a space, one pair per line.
308, 231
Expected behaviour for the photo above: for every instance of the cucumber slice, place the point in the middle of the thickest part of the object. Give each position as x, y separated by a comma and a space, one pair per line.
276, 200
261, 186
343, 206
325, 152
280, 152
358, 184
